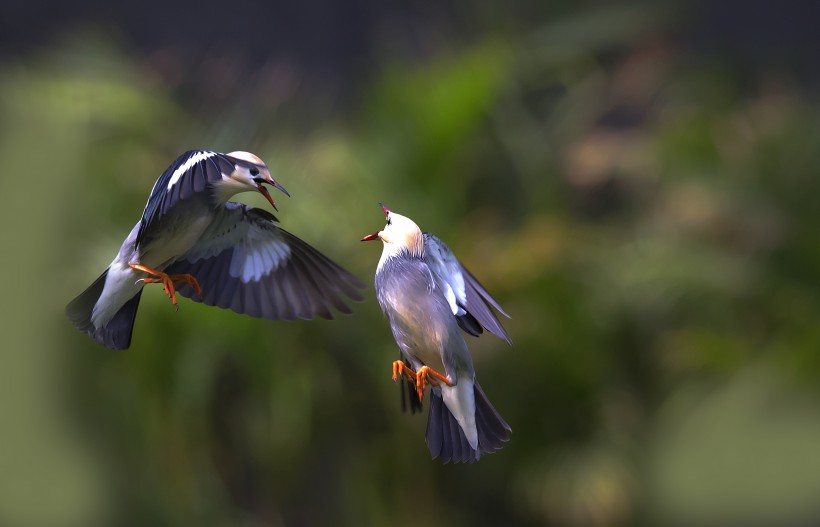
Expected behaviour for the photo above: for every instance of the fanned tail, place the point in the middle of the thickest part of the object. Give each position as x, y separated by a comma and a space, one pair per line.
117, 333
447, 441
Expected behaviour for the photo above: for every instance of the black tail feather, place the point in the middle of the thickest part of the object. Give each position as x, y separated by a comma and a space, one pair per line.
458, 442
117, 333
469, 324
493, 431
435, 429
79, 310
447, 441
409, 396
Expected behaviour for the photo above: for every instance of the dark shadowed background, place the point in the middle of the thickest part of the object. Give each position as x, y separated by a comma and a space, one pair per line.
636, 183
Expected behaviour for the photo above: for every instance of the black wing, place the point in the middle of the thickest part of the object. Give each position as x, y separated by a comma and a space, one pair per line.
246, 263
471, 303
189, 174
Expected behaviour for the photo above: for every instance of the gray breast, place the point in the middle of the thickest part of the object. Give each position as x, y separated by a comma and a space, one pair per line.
420, 317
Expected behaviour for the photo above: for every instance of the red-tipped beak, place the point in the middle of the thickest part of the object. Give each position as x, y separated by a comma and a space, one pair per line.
264, 191
375, 235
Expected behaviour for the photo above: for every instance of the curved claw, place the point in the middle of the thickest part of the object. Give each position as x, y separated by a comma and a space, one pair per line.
167, 281
401, 369
427, 375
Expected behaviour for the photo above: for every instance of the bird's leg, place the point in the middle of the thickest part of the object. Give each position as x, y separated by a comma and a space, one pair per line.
427, 375
188, 279
400, 368
167, 281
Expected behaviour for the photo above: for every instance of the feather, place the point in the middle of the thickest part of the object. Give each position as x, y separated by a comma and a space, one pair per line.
471, 304
243, 250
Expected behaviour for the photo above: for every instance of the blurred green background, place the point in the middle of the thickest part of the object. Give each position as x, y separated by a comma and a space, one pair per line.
636, 183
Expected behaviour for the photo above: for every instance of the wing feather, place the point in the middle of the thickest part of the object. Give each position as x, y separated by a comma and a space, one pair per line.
320, 303
245, 263
470, 302
187, 175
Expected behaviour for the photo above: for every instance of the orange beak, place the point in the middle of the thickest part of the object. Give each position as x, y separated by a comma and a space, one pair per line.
264, 191
375, 235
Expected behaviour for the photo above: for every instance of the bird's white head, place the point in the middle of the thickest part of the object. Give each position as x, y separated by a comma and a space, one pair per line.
401, 234
249, 173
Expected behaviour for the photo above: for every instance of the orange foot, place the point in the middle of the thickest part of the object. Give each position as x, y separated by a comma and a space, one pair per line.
427, 375
167, 281
401, 369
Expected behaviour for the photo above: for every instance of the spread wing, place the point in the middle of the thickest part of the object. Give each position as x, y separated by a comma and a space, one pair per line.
189, 174
471, 303
246, 263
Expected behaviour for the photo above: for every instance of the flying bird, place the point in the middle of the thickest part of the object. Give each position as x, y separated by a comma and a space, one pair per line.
427, 295
195, 242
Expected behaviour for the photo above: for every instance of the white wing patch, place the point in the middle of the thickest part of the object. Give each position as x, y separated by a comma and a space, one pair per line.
446, 267
252, 261
451, 298
244, 240
456, 281
184, 167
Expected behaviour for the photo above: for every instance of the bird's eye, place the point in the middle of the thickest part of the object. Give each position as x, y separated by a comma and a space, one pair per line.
389, 221
254, 171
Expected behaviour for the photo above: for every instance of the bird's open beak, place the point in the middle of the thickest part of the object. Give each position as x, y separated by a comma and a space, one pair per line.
375, 235
264, 191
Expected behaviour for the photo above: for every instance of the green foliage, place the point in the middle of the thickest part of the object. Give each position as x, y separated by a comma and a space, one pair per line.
661, 270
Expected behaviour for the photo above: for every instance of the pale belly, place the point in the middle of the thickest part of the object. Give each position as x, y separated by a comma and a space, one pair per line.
422, 336
178, 235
